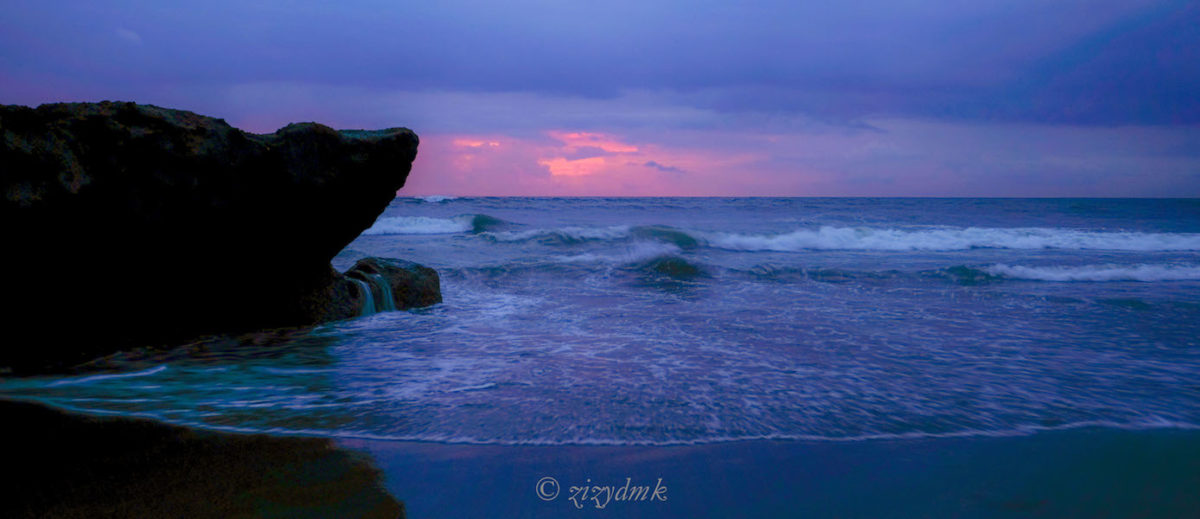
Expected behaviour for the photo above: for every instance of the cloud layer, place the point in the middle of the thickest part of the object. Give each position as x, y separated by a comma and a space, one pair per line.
865, 97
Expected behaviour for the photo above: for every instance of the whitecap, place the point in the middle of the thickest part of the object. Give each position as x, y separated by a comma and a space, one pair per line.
943, 239
421, 225
562, 234
1145, 272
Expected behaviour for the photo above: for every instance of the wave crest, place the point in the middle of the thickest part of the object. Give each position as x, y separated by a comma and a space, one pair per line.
434, 199
1145, 272
865, 238
979, 275
560, 236
473, 223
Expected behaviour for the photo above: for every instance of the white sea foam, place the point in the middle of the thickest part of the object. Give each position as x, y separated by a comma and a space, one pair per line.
433, 199
1098, 272
867, 238
882, 239
421, 225
564, 234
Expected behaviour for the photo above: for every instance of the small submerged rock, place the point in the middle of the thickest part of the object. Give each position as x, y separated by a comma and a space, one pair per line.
392, 284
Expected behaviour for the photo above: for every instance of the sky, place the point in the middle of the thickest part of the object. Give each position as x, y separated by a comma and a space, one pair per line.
668, 98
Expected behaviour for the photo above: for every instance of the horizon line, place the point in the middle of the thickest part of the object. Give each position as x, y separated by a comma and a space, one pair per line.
894, 197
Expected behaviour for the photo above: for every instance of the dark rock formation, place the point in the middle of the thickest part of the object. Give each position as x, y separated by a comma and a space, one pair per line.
130, 225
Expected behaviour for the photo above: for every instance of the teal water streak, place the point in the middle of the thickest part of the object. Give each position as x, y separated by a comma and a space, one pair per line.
388, 302
368, 307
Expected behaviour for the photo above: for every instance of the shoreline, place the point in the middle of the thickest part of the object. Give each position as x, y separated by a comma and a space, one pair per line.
77, 465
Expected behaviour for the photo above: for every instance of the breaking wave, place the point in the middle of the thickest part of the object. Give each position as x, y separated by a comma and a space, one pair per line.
576, 235
561, 236
977, 275
1147, 273
472, 223
434, 199
864, 238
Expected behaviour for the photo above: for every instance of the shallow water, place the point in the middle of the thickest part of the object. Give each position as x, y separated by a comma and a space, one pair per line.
1080, 473
674, 321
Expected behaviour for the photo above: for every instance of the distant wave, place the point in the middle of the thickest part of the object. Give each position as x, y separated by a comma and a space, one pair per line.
669, 260
1146, 273
430, 199
864, 238
967, 275
646, 260
575, 235
662, 233
656, 259
473, 223
561, 236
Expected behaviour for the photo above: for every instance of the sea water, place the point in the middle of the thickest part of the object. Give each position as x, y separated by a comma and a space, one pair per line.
645, 321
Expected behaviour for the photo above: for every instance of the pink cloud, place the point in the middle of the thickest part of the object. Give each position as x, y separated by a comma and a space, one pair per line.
903, 158
575, 140
475, 143
503, 165
562, 167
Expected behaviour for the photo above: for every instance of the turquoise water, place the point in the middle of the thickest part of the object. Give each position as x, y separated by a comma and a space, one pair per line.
699, 321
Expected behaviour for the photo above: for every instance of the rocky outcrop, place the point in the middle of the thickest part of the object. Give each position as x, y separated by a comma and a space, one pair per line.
380, 284
129, 225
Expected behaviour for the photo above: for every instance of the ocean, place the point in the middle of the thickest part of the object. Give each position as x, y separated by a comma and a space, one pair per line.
677, 322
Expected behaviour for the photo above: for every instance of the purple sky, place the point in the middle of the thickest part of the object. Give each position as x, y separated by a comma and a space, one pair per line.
876, 98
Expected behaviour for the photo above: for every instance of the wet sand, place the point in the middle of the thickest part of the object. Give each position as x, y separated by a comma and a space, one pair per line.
1086, 473
64, 465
